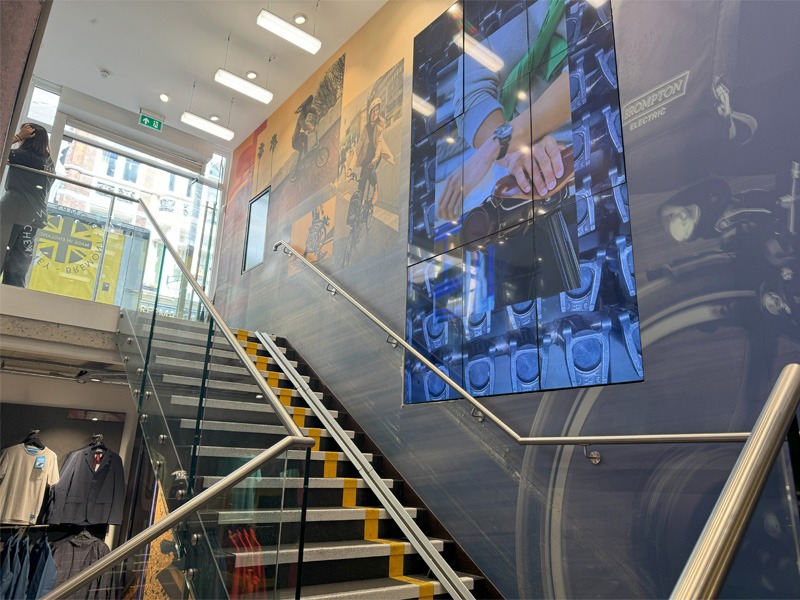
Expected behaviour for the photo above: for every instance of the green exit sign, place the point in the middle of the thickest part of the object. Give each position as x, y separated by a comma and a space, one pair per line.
150, 122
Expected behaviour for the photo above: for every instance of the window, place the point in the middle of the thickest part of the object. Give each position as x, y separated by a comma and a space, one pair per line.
172, 182
131, 170
111, 162
256, 232
43, 106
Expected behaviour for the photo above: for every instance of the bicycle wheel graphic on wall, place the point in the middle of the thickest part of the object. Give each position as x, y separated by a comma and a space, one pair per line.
736, 298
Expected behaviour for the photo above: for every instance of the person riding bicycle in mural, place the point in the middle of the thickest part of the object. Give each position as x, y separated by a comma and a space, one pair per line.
307, 118
371, 149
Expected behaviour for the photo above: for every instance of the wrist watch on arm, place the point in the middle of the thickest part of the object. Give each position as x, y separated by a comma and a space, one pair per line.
503, 136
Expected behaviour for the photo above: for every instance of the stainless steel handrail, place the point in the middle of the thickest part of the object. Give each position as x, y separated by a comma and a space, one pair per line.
280, 411
284, 417
583, 440
156, 529
74, 181
708, 565
438, 566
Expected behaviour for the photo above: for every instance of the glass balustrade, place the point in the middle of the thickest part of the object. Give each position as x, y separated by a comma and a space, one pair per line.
226, 549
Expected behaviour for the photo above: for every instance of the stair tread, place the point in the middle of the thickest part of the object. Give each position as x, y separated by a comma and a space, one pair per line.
216, 352
237, 405
294, 482
198, 335
226, 451
250, 428
197, 365
313, 515
223, 385
365, 589
323, 551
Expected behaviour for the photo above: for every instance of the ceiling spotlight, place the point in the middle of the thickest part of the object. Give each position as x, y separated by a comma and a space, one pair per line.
299, 19
450, 140
243, 86
214, 118
522, 95
94, 418
252, 74
287, 31
207, 126
164, 97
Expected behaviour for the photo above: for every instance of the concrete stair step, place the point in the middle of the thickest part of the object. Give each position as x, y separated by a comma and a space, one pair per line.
227, 452
257, 406
227, 386
177, 365
369, 589
194, 335
313, 515
329, 483
218, 354
326, 551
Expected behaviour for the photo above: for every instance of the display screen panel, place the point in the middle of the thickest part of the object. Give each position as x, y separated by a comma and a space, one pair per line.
518, 184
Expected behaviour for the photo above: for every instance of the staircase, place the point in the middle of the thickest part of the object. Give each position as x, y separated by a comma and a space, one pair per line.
351, 546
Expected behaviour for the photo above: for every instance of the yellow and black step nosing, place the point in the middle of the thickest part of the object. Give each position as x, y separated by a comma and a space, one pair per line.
396, 549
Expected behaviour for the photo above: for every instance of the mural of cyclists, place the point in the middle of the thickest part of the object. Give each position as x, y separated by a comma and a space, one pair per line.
520, 263
369, 170
313, 234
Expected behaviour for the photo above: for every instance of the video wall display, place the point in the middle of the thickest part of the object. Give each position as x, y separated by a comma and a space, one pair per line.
520, 273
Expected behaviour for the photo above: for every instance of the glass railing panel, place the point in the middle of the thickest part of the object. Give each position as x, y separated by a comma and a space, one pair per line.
178, 352
80, 247
224, 549
136, 315
767, 562
87, 236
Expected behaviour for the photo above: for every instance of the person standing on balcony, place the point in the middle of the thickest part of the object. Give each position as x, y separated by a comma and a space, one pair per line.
23, 207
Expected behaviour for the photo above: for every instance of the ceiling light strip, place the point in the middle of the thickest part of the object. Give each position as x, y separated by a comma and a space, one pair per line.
287, 31
207, 126
248, 88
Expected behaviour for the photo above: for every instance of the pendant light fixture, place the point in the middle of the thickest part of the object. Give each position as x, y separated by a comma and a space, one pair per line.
248, 88
198, 122
207, 126
241, 85
273, 23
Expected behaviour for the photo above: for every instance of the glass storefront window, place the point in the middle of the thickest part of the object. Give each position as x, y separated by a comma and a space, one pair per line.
90, 234
43, 106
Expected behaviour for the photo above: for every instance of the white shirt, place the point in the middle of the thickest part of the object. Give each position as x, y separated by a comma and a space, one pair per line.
25, 471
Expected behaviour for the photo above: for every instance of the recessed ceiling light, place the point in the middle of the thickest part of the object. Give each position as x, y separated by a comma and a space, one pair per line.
450, 140
214, 118
94, 418
164, 97
299, 19
252, 74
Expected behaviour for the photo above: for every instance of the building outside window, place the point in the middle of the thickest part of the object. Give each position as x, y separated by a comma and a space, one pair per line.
111, 162
131, 170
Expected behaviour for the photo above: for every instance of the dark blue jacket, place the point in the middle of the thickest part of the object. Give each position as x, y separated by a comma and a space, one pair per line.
43, 570
84, 496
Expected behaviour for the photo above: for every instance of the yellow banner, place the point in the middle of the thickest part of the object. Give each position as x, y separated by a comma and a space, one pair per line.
68, 255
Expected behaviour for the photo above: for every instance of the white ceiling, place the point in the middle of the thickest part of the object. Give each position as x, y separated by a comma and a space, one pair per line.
155, 46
